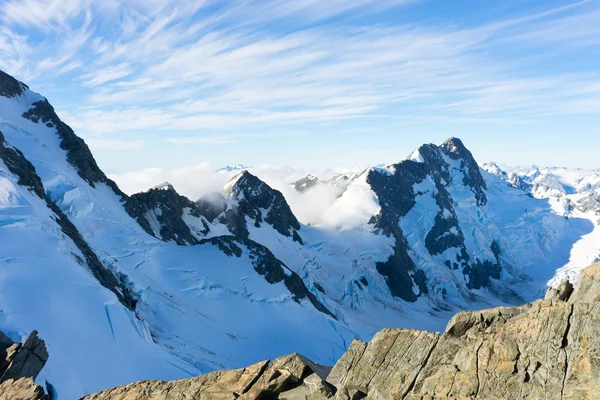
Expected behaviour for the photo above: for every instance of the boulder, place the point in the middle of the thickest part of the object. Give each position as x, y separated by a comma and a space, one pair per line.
21, 389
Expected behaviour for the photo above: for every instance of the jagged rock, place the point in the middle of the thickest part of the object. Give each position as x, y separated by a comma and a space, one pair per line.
546, 349
163, 213
588, 288
391, 360
261, 203
29, 359
259, 381
22, 389
287, 376
220, 385
563, 292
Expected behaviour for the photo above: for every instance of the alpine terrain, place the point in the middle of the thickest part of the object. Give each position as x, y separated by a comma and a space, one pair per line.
158, 286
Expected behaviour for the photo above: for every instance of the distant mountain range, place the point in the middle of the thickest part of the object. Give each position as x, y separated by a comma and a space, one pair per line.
159, 286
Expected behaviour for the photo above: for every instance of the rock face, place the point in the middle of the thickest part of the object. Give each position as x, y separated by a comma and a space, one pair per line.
261, 203
546, 349
161, 212
396, 190
20, 364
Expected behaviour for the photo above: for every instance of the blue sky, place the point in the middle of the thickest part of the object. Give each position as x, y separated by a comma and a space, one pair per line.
166, 84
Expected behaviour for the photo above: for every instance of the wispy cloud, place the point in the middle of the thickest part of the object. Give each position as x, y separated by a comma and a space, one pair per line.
223, 139
102, 144
107, 74
200, 72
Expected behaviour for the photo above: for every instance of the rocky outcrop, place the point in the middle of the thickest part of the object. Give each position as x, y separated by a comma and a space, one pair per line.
546, 349
291, 377
20, 364
22, 389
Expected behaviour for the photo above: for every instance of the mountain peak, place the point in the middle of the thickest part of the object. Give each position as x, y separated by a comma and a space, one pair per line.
242, 179
10, 87
456, 150
261, 202
454, 145
232, 167
163, 186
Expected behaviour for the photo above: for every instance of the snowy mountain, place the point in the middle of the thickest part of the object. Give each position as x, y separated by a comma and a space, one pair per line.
159, 286
573, 193
232, 168
340, 182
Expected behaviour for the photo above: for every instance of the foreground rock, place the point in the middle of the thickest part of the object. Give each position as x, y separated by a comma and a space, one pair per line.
291, 377
20, 364
548, 349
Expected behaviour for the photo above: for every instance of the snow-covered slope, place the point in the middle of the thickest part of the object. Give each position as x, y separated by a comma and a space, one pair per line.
440, 231
571, 192
48, 283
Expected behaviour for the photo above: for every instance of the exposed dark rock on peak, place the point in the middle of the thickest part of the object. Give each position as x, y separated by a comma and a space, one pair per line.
160, 212
396, 193
164, 186
9, 86
545, 349
456, 150
78, 153
261, 203
25, 171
